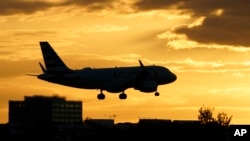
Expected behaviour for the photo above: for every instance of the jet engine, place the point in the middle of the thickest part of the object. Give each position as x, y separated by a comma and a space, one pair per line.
147, 86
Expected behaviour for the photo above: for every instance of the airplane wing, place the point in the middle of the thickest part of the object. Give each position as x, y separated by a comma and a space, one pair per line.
144, 73
118, 84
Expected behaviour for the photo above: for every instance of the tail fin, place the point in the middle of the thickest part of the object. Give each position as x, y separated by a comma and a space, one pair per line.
53, 62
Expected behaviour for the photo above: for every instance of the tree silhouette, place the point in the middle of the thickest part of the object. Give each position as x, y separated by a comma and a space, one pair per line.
206, 117
223, 119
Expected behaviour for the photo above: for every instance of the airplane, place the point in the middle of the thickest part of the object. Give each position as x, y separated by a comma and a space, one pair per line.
114, 80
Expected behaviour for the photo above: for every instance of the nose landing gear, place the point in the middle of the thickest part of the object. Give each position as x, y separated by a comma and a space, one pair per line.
157, 94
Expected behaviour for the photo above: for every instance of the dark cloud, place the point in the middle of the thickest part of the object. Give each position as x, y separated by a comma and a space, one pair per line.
232, 27
228, 31
91, 5
88, 2
199, 7
154, 4
10, 7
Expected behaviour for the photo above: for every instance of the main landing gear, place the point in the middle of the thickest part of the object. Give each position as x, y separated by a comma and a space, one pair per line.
122, 96
101, 96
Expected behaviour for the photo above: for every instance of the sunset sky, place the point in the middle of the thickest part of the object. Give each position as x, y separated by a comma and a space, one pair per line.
206, 43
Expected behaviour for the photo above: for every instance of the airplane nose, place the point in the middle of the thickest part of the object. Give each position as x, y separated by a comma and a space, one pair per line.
173, 77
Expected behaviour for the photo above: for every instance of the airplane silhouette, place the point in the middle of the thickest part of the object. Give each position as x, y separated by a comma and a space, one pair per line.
114, 80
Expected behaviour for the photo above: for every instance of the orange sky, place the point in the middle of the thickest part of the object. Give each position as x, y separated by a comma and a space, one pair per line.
206, 43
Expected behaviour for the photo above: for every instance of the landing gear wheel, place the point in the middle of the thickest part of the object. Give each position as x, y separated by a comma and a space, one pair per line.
101, 96
122, 96
157, 93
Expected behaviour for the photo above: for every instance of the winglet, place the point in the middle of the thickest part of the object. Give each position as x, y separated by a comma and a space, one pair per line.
42, 67
141, 63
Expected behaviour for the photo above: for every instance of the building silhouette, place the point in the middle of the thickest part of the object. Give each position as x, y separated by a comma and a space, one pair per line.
102, 122
37, 109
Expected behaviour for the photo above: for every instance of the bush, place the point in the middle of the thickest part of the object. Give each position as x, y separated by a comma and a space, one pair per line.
206, 117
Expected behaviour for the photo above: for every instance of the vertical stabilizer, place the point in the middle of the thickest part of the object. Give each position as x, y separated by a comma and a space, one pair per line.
53, 62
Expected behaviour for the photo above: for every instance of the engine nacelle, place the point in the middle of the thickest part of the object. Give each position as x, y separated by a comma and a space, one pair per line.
147, 86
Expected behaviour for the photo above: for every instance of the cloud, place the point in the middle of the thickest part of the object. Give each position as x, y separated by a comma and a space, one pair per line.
102, 28
187, 65
91, 4
220, 30
22, 6
180, 41
225, 22
11, 7
7, 36
16, 45
155, 4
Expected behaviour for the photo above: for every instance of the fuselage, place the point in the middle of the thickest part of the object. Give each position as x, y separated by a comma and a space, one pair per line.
112, 79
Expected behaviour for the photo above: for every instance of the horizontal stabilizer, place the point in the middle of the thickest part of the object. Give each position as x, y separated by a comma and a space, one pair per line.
32, 74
